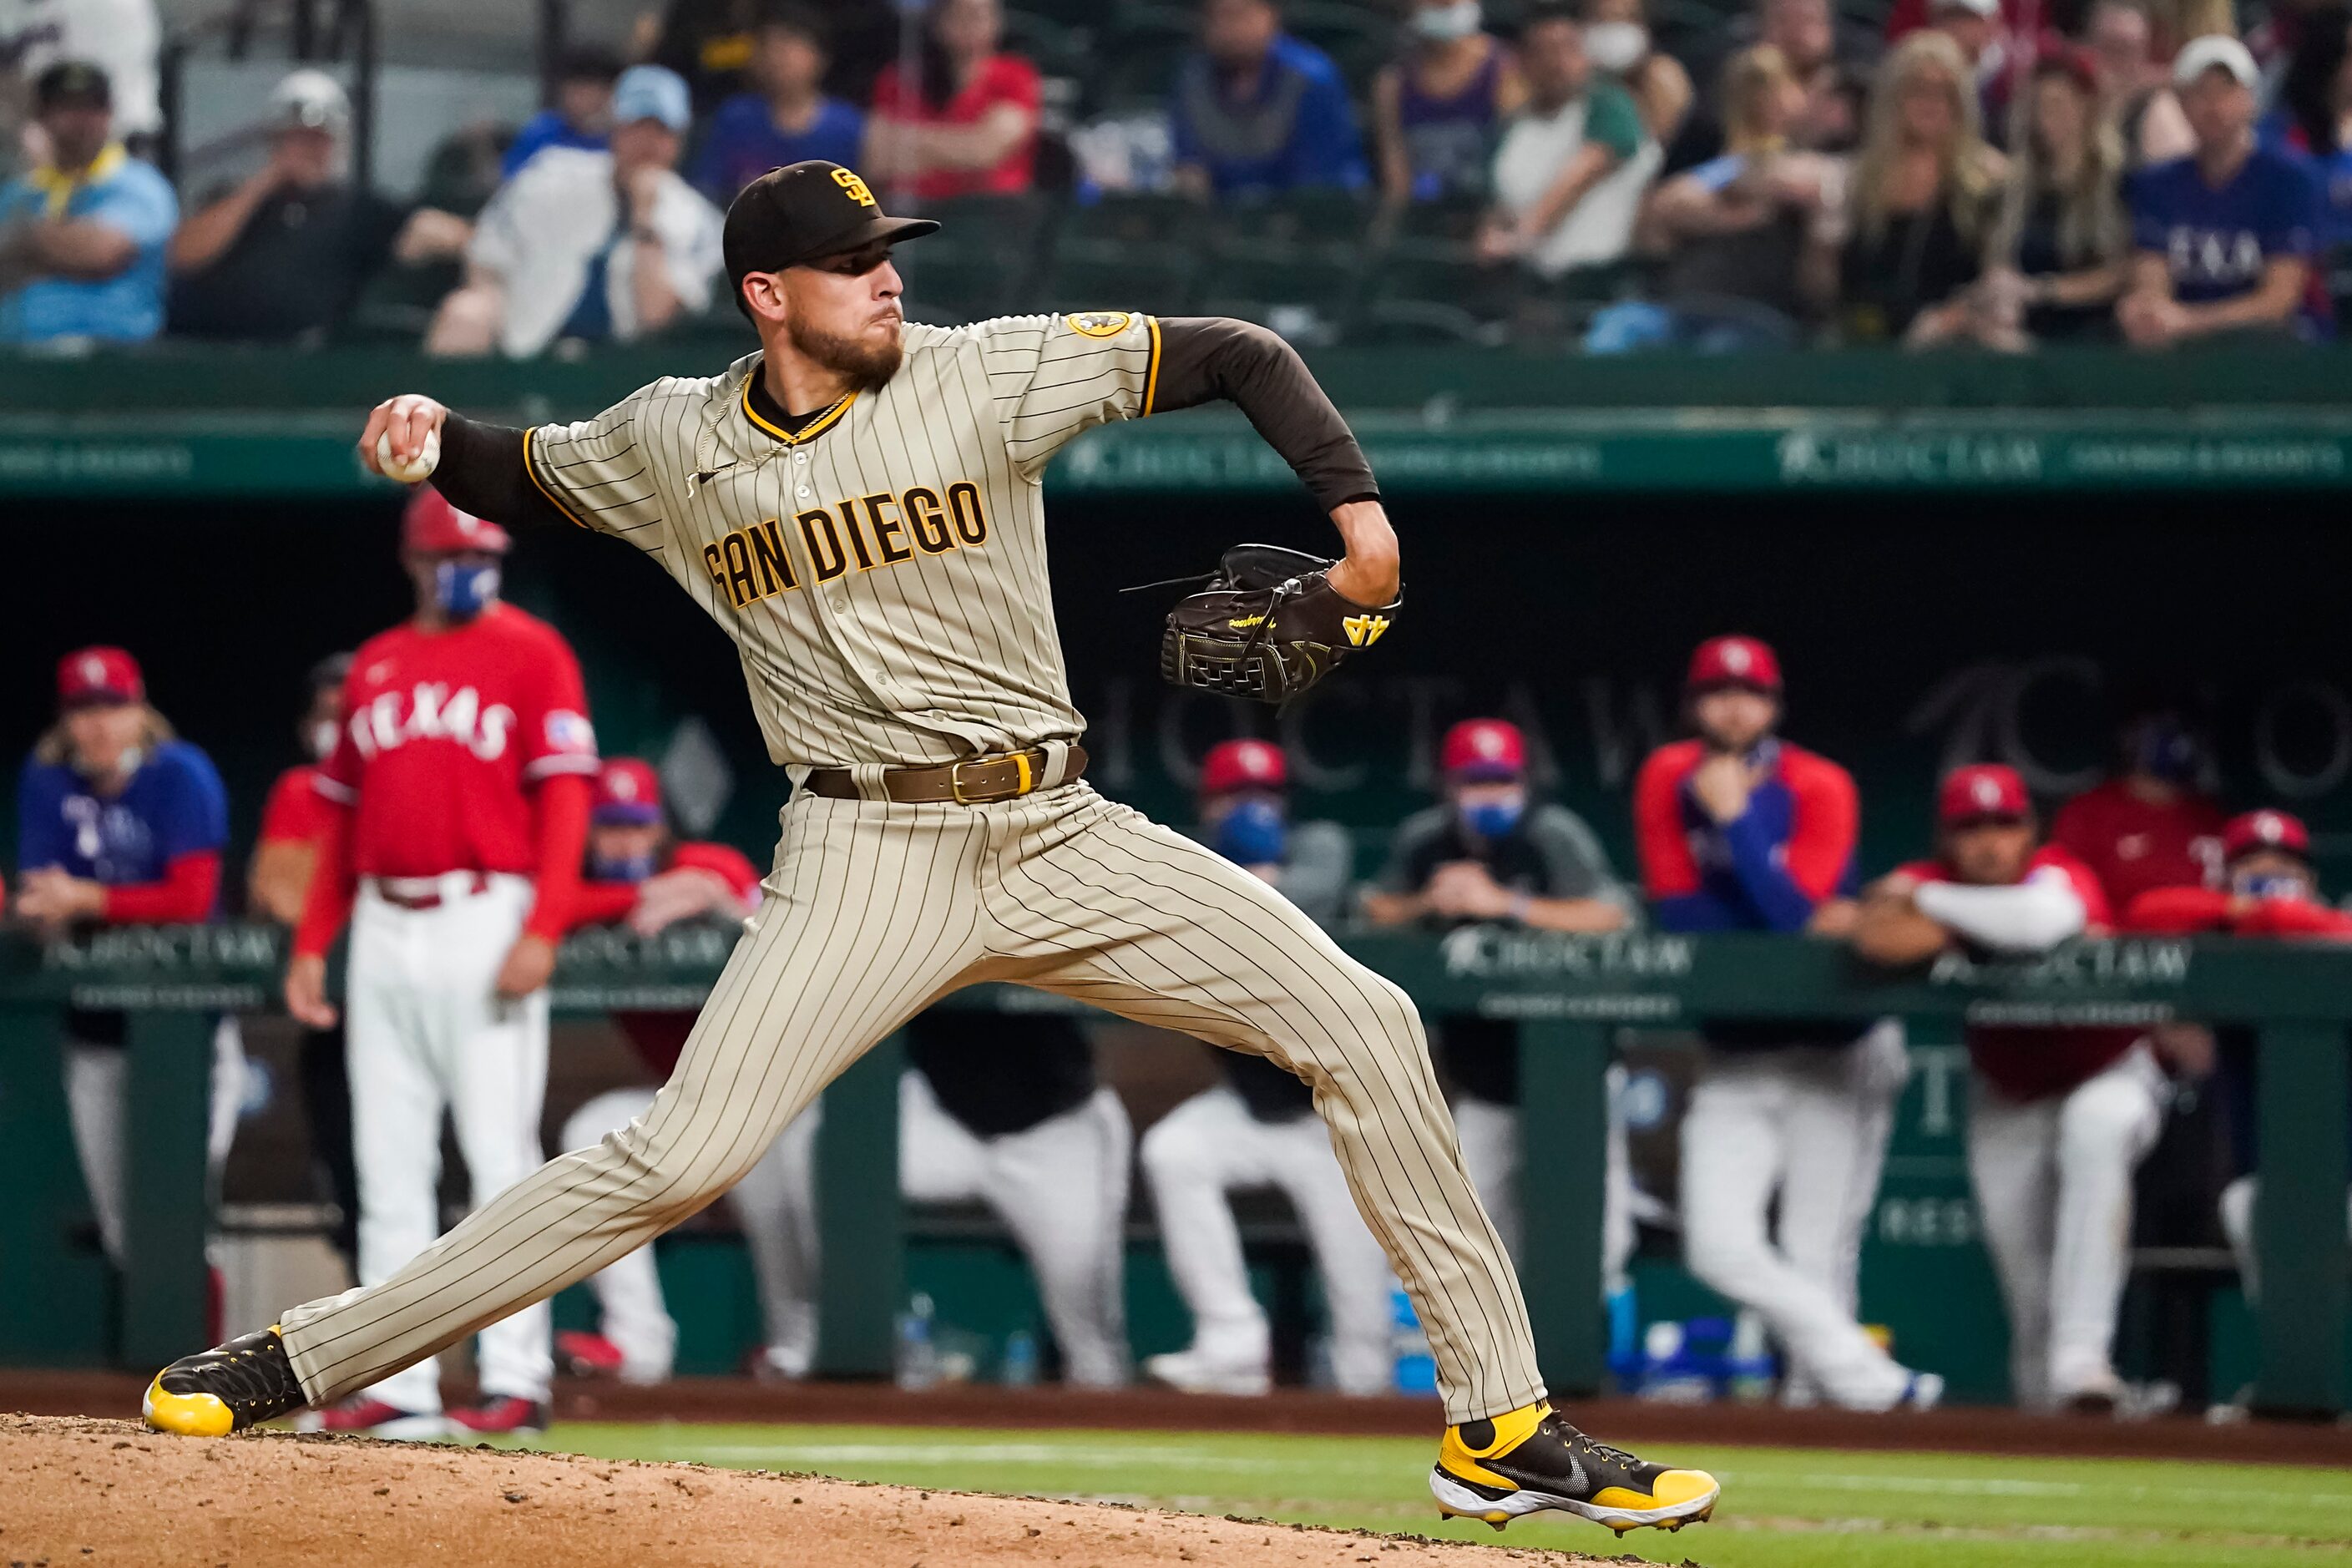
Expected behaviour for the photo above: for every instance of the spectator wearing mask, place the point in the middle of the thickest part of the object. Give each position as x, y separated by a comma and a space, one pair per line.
2152, 825
2059, 1116
1740, 830
707, 43
276, 883
581, 116
1256, 112
786, 118
2061, 250
1617, 39
285, 254
82, 235
638, 874
2316, 103
119, 823
1258, 1128
1437, 112
598, 246
1574, 162
2226, 236
967, 126
1731, 232
1489, 852
1920, 201
2136, 84
2268, 890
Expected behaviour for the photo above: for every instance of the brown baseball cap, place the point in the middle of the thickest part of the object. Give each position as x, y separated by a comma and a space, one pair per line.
803, 213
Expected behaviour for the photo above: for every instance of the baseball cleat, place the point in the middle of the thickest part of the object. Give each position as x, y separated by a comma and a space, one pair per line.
226, 1389
1924, 1392
1192, 1373
588, 1356
505, 1415
1529, 1459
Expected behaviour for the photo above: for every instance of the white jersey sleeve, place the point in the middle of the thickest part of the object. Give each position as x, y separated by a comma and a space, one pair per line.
600, 472
1054, 377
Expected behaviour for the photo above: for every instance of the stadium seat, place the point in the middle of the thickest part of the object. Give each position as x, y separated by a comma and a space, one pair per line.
1139, 252
984, 261
1295, 264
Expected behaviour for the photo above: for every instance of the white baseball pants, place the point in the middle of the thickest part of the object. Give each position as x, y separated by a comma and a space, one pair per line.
1210, 1146
427, 1033
97, 1078
2053, 1179
1810, 1123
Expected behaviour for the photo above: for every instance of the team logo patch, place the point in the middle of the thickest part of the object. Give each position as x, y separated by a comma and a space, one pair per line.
1099, 323
856, 188
1363, 631
571, 732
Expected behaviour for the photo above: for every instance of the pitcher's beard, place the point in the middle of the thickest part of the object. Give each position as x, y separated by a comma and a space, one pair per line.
866, 364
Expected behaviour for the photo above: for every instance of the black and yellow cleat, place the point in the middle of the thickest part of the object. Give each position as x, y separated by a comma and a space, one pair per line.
227, 1389
1530, 1459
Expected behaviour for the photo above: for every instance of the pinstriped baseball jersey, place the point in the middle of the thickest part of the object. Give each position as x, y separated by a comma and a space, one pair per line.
883, 569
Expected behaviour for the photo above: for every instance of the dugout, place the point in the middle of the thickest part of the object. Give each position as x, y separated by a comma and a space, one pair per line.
1957, 558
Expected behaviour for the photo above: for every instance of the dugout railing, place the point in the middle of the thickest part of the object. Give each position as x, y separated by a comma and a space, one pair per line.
1567, 994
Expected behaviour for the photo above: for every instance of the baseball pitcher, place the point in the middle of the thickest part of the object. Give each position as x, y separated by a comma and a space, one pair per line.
859, 505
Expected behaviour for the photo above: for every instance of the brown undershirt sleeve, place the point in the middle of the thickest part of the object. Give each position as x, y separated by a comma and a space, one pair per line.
1206, 358
481, 471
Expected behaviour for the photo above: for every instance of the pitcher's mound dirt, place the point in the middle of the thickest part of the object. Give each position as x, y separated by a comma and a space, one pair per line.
83, 1491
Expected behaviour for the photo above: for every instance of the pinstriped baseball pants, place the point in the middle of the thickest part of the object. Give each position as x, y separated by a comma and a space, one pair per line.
875, 910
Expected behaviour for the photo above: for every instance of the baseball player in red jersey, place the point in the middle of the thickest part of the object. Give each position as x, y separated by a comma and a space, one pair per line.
2150, 826
276, 882
2059, 1117
638, 874
460, 788
2269, 890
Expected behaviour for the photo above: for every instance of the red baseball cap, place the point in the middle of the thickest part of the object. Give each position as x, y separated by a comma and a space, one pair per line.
1479, 749
1982, 792
101, 674
2265, 830
629, 792
1244, 764
1734, 661
432, 526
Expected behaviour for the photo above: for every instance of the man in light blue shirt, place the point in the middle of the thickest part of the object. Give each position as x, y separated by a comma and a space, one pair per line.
82, 237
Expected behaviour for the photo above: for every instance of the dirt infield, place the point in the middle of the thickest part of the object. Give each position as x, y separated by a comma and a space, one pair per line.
1973, 1430
82, 1490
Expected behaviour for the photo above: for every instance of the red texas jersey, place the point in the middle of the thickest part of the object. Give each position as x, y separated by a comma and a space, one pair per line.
443, 735
2028, 1062
2132, 845
295, 813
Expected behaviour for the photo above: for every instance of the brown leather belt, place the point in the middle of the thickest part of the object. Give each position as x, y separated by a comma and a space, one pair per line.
975, 781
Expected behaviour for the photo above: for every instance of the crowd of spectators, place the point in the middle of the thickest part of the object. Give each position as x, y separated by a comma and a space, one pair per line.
1952, 178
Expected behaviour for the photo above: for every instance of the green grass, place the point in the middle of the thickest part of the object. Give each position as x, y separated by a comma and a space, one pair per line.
1817, 1507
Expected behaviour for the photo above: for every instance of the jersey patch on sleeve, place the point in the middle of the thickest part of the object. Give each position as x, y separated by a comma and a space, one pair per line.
1099, 323
570, 734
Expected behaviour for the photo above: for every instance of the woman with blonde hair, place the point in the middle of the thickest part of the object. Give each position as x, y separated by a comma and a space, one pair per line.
1920, 203
2061, 250
1731, 232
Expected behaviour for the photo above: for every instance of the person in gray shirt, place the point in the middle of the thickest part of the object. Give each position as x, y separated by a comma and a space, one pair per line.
1258, 1128
1490, 853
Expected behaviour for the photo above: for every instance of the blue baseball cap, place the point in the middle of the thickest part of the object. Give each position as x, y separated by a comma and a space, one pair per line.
651, 93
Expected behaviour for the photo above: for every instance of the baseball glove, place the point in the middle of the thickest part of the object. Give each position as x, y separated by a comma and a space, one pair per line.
1265, 624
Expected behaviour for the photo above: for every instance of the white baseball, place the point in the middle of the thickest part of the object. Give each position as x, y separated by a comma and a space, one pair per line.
409, 473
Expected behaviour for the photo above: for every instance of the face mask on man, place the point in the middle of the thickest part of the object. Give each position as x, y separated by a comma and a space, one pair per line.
1443, 24
624, 868
1616, 47
2281, 885
322, 736
463, 591
2168, 751
1252, 833
1493, 819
